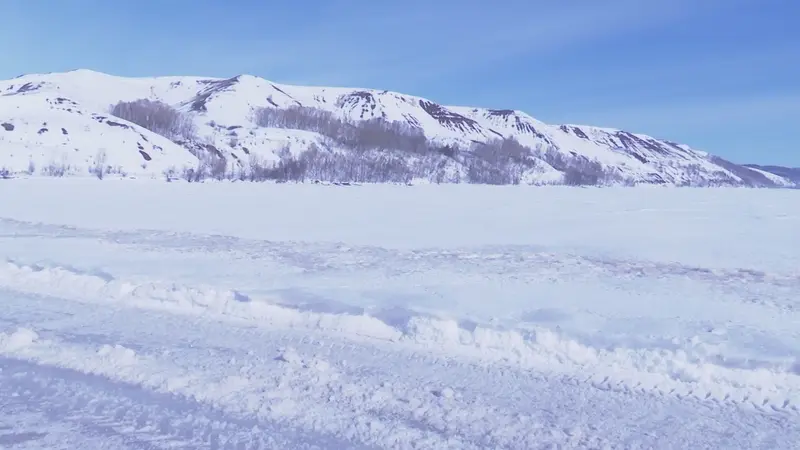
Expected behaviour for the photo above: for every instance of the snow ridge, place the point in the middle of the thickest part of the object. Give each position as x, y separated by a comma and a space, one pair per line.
61, 120
698, 372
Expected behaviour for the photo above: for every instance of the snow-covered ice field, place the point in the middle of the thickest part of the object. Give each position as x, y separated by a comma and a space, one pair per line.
144, 314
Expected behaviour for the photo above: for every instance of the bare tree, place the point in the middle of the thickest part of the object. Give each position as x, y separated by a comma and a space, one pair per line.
218, 167
170, 174
98, 169
54, 169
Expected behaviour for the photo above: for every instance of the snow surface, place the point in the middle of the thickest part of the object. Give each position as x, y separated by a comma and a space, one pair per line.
236, 315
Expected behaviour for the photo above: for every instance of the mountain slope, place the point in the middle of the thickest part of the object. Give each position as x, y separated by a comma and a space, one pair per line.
791, 174
225, 114
55, 134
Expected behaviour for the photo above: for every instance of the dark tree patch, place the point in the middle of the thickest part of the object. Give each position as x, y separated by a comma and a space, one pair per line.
28, 87
211, 149
198, 103
574, 130
62, 100
501, 112
111, 123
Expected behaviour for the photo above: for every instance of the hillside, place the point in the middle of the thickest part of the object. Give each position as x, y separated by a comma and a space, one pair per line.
787, 173
250, 128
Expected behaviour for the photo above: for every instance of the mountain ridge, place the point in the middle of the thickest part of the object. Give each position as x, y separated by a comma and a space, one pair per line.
225, 111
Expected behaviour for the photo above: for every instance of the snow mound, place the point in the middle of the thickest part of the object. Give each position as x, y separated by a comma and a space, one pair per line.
18, 340
74, 284
117, 354
57, 136
697, 371
25, 343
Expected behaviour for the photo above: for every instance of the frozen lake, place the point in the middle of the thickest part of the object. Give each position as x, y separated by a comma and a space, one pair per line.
452, 316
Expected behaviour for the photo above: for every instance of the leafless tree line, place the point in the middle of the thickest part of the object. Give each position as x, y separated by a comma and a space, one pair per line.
579, 170
499, 161
312, 165
384, 151
157, 117
379, 151
374, 134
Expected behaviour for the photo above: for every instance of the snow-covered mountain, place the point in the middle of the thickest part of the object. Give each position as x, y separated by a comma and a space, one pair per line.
61, 122
789, 173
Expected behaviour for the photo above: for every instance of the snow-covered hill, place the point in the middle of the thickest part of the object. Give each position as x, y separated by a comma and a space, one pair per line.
783, 173
61, 122
47, 134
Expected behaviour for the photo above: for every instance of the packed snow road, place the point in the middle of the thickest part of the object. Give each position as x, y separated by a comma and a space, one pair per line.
120, 331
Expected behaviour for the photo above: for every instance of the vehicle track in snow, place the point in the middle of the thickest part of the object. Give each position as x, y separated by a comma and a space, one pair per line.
230, 354
666, 372
136, 417
429, 399
312, 256
518, 264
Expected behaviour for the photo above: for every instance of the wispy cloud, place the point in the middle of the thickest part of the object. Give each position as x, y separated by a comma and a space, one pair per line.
419, 40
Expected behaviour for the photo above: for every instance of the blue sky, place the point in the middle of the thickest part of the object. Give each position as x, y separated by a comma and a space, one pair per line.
720, 75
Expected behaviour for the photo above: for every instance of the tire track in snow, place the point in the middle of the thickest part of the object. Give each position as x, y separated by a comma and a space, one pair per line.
486, 406
669, 373
332, 258
292, 392
339, 257
141, 418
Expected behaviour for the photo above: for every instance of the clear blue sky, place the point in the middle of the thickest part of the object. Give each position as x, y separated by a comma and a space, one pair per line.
720, 75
